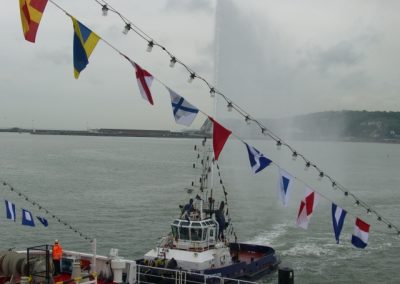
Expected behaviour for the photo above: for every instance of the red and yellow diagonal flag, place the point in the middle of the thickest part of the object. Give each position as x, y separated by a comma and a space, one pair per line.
31, 14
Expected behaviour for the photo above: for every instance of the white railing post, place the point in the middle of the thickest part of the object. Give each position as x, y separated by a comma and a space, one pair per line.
139, 269
93, 266
181, 276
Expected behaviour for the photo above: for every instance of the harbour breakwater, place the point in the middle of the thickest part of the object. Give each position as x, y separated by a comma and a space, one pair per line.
113, 132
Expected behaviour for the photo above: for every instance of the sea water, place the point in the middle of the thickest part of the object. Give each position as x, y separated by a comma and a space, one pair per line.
125, 192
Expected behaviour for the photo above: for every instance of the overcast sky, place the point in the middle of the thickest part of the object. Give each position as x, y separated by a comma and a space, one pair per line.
274, 58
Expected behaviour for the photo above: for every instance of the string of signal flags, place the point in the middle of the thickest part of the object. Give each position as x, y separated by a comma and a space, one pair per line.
85, 40
27, 216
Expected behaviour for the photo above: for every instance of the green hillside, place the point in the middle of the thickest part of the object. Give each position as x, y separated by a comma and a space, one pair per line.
347, 125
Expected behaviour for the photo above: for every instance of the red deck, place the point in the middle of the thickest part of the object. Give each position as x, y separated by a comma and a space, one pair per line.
248, 256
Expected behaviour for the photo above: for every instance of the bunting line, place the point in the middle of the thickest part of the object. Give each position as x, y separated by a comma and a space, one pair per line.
203, 161
129, 25
264, 130
26, 214
11, 214
308, 204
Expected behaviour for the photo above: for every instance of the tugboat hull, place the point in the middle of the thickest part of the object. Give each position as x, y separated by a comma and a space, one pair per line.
249, 263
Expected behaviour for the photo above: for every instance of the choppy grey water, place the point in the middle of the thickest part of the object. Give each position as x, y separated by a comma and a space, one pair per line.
125, 191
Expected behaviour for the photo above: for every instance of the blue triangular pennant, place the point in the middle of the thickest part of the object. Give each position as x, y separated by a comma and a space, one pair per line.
43, 221
258, 161
27, 218
338, 215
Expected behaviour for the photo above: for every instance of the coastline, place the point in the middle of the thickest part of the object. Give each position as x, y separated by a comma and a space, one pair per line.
111, 132
105, 132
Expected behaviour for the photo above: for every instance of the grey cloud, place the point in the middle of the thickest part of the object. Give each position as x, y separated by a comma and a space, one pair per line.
353, 80
204, 63
204, 68
189, 5
343, 53
207, 51
58, 57
113, 32
346, 53
258, 67
249, 57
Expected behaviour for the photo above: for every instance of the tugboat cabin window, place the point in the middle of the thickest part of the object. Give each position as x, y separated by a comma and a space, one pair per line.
174, 231
185, 223
196, 234
194, 231
184, 233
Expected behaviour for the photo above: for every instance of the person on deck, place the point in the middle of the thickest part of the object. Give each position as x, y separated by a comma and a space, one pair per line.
57, 255
188, 208
172, 264
220, 218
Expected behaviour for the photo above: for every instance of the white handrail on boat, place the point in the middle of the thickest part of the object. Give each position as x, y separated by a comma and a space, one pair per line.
93, 266
94, 281
180, 276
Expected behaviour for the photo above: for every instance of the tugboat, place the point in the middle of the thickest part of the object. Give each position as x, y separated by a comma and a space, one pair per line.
197, 250
198, 246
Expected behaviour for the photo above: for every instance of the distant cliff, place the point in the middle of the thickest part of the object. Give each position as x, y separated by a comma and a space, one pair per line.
348, 125
379, 126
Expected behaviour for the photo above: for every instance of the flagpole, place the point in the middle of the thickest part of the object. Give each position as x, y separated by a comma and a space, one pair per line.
212, 162
214, 97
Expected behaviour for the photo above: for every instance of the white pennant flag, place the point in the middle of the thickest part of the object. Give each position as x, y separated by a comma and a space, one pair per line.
144, 79
285, 182
10, 210
184, 112
307, 206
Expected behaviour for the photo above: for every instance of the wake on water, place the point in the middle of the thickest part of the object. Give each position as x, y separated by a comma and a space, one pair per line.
271, 237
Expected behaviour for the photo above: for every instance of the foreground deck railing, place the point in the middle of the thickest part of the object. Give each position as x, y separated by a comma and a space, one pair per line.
165, 275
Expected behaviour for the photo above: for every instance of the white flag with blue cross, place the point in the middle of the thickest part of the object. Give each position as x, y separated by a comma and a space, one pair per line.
184, 112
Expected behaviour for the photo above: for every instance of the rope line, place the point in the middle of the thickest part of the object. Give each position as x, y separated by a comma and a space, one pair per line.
45, 210
232, 105
249, 118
